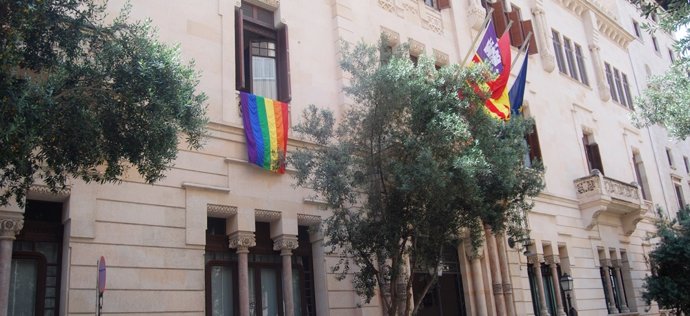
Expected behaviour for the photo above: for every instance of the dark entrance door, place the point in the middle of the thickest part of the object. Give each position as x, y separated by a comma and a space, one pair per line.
445, 298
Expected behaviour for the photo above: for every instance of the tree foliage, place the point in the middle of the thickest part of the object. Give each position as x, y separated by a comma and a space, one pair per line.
412, 163
669, 283
665, 101
82, 97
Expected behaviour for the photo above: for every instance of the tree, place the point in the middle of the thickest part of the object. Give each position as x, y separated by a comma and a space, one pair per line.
665, 101
413, 162
669, 283
82, 97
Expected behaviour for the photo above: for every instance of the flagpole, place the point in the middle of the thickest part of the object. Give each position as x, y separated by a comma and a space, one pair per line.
507, 28
485, 24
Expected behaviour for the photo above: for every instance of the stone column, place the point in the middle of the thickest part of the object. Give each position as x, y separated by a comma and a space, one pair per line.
242, 241
542, 35
287, 243
10, 225
505, 274
496, 277
611, 303
535, 260
477, 281
553, 262
619, 284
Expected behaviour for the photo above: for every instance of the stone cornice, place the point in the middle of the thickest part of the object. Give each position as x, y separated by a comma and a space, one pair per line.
606, 22
308, 220
266, 215
222, 211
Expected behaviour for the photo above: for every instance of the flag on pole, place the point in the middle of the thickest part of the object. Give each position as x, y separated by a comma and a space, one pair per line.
265, 128
517, 91
496, 53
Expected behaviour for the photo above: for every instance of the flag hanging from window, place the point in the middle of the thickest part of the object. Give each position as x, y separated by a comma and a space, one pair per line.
266, 129
496, 53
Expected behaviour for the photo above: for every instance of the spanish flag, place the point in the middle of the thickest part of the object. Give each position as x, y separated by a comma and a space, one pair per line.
265, 128
496, 53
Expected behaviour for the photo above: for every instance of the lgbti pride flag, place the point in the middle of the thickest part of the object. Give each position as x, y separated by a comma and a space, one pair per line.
266, 129
496, 53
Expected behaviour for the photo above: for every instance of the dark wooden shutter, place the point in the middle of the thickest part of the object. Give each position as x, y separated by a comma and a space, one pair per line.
284, 93
516, 36
240, 84
533, 142
596, 158
443, 4
526, 29
499, 17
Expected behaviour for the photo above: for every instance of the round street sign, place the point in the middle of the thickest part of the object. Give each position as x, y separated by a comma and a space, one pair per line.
101, 275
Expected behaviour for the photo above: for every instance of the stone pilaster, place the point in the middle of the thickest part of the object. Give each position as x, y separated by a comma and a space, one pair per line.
10, 226
242, 241
542, 35
286, 244
553, 262
536, 260
477, 280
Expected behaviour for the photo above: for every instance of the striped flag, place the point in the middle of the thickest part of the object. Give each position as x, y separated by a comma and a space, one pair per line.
496, 53
266, 129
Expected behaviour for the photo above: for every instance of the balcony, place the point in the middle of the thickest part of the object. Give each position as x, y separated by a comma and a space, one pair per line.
599, 195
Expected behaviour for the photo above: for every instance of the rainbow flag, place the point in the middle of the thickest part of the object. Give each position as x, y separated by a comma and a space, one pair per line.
266, 129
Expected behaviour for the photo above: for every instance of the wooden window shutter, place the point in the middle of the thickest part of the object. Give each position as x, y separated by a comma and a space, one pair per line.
533, 142
443, 4
526, 29
596, 158
283, 54
240, 84
499, 18
516, 36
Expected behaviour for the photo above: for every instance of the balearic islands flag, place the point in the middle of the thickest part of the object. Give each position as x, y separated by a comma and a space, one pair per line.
496, 53
266, 129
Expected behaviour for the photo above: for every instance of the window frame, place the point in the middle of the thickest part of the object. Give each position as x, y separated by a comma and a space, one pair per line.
570, 58
558, 48
579, 57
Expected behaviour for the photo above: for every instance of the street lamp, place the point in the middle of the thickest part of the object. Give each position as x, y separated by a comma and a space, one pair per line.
566, 282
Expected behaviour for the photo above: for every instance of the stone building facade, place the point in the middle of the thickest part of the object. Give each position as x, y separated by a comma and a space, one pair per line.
219, 236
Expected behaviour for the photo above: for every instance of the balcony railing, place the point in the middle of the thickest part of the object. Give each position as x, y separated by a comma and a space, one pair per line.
599, 195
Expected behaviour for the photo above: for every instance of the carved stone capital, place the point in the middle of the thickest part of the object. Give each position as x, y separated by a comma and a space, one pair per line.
553, 259
605, 262
10, 227
475, 15
285, 243
536, 11
241, 240
535, 259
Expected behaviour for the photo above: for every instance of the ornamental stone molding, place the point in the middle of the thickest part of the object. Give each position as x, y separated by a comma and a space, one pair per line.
441, 58
308, 220
416, 47
387, 5
285, 244
507, 288
43, 192
417, 12
497, 288
10, 227
606, 20
241, 240
266, 215
266, 4
221, 211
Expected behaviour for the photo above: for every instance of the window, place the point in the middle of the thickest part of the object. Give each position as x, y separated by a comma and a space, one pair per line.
641, 175
619, 87
264, 273
655, 43
609, 79
679, 195
534, 152
261, 51
445, 297
581, 64
592, 153
573, 57
36, 263
558, 48
669, 156
518, 30
438, 4
671, 56
687, 165
548, 284
636, 28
